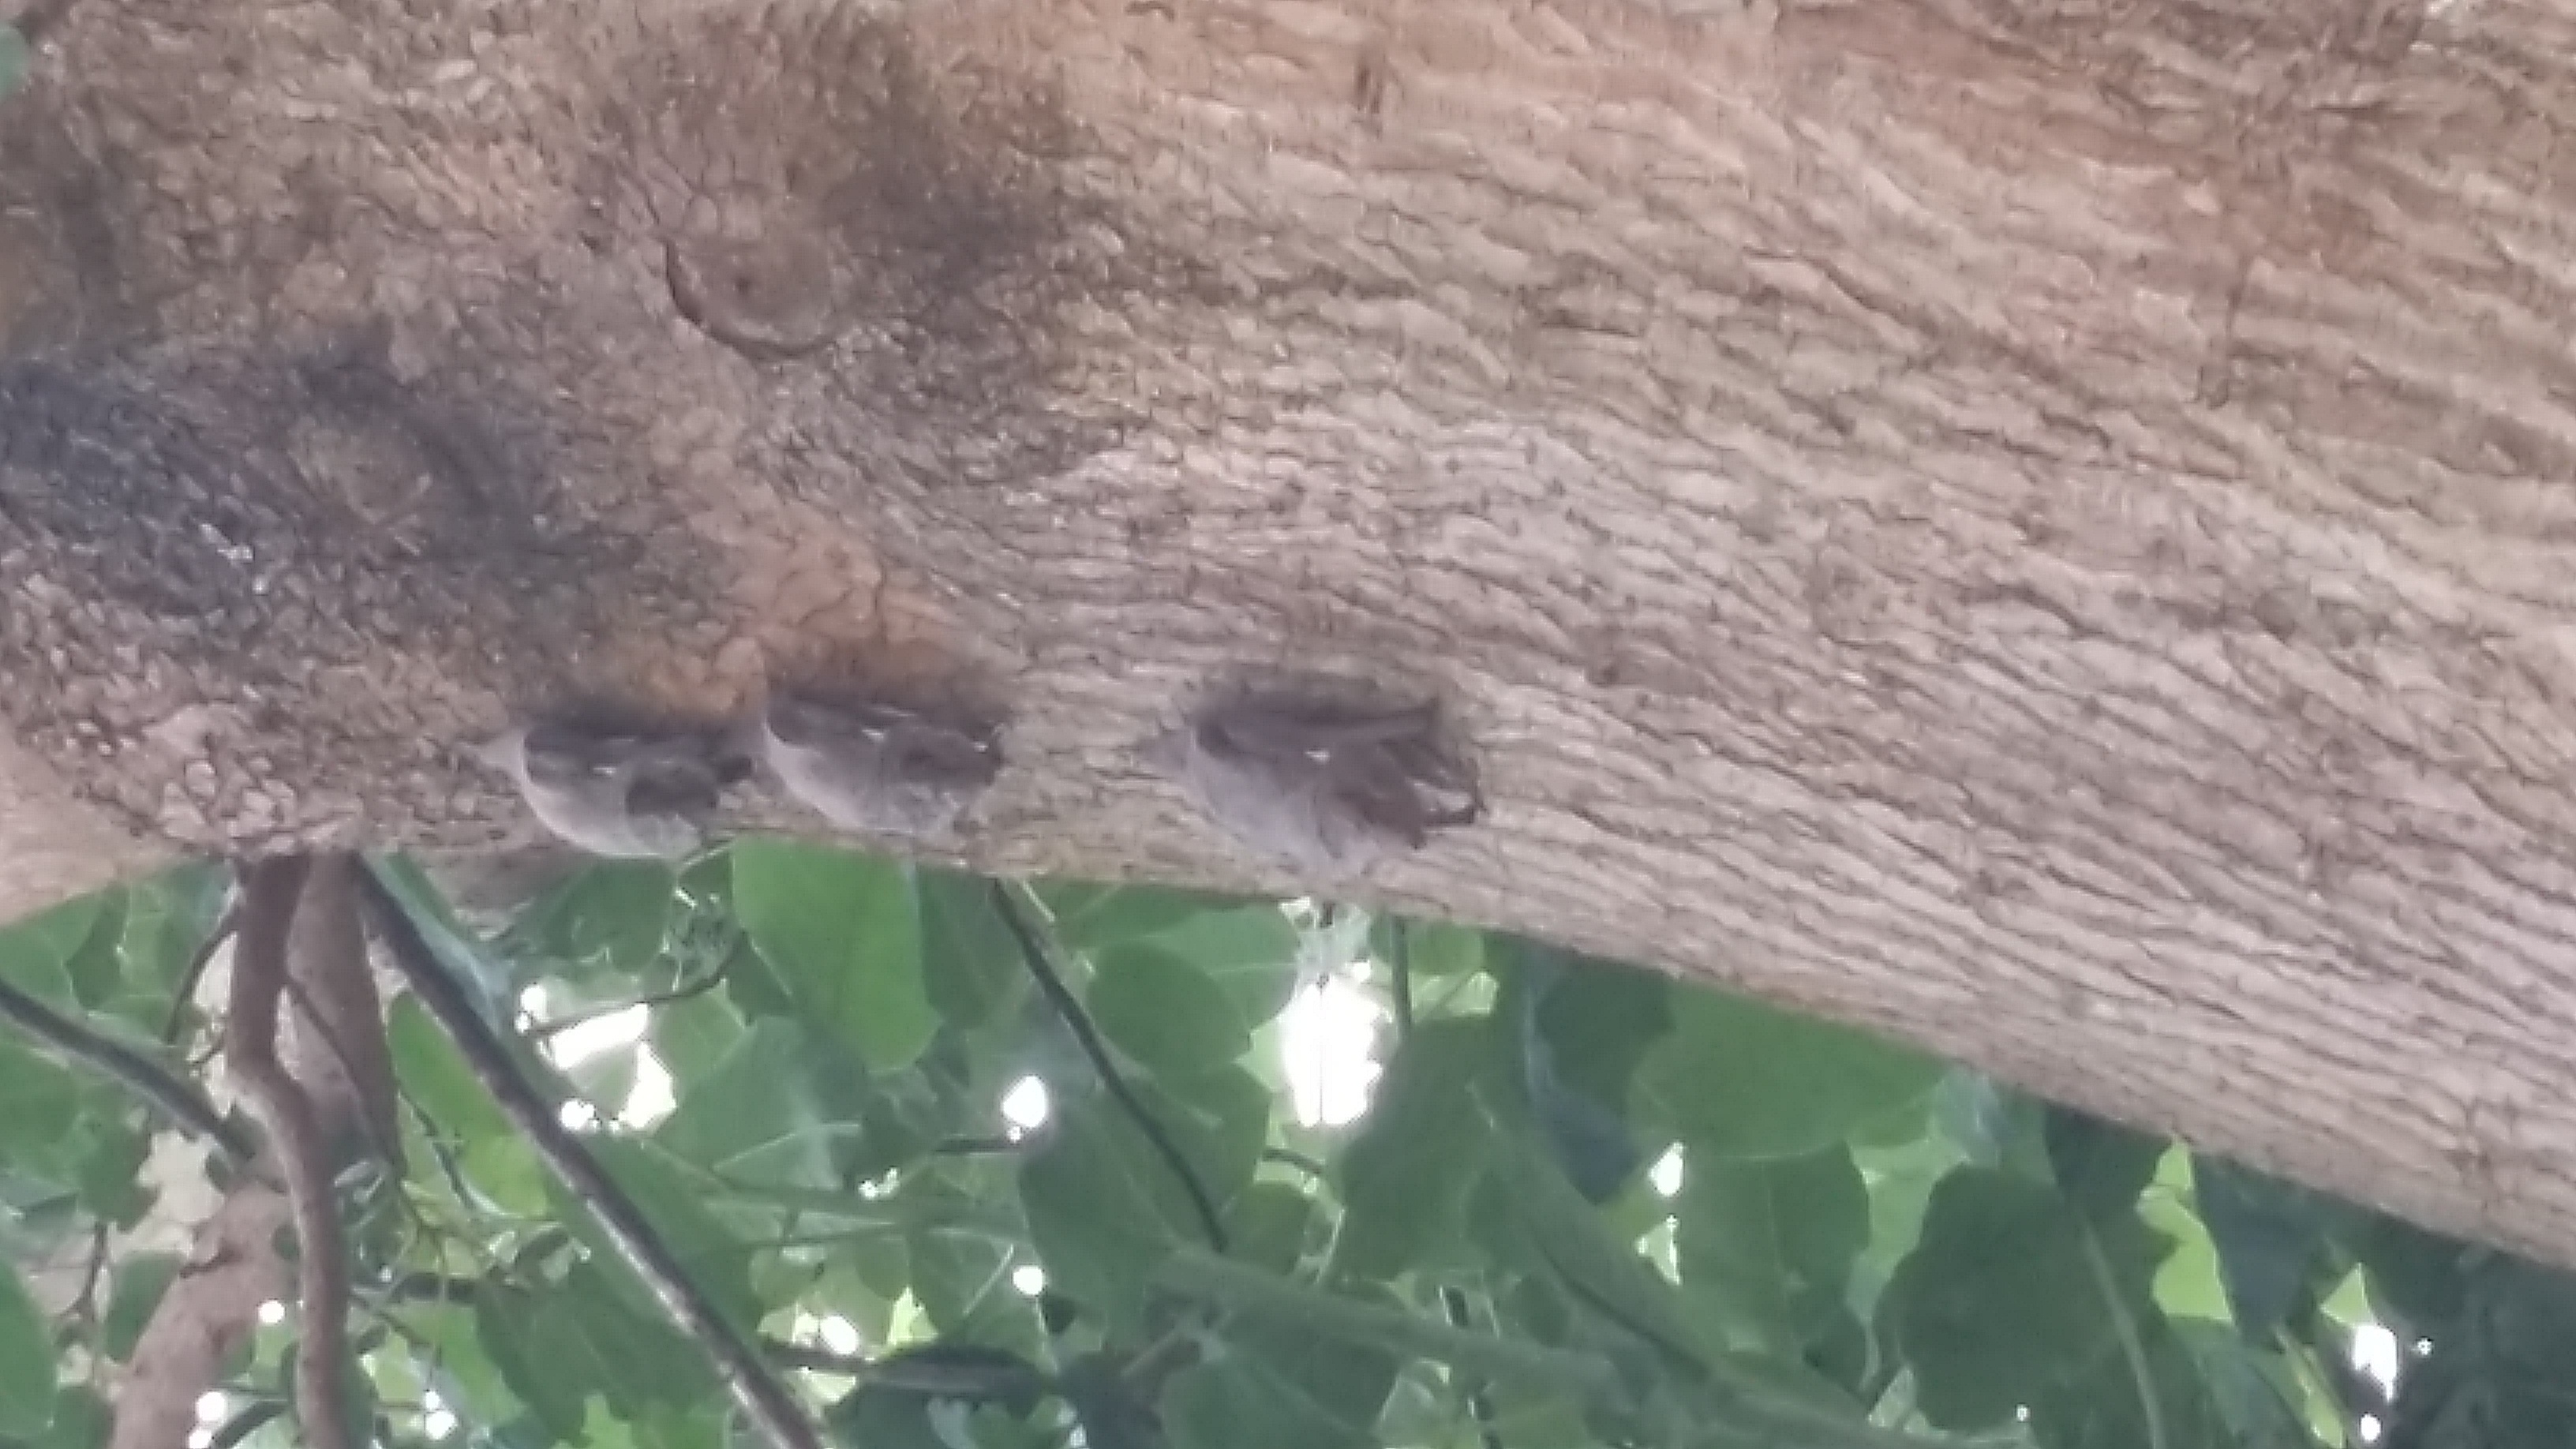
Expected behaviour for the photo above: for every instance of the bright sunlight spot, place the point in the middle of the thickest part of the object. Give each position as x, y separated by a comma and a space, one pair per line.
839, 1334
653, 1096
2368, 1428
212, 1405
2374, 1352
532, 1005
1025, 1105
577, 1115
1666, 1174
438, 1423
201, 1438
1326, 1038
616, 1030
1030, 1279
272, 1313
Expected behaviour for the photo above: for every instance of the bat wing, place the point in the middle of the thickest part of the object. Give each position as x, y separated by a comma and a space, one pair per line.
814, 724
923, 751
1278, 725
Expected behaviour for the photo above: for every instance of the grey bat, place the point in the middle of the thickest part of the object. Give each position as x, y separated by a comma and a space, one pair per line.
875, 769
626, 794
1327, 790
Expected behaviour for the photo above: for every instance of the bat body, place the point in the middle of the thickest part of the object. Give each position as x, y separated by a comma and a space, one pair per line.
1327, 790
875, 769
628, 795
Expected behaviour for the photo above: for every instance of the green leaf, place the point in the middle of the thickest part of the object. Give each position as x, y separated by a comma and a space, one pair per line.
38, 1104
614, 914
2254, 1392
434, 1075
956, 1276
134, 1291
2189, 1284
970, 960
1563, 1234
2100, 1166
554, 1379
892, 1411
2004, 1296
1740, 1078
82, 1420
94, 964
1090, 916
1108, 1405
763, 1112
716, 1261
1250, 951
460, 1364
1240, 1403
1167, 1014
1093, 1196
109, 1168
843, 933
1581, 1028
1406, 1175
643, 1360
1600, 1019
35, 952
690, 1037
26, 1360
1348, 1381
1766, 1249
2107, 1407
2271, 1238
1270, 1224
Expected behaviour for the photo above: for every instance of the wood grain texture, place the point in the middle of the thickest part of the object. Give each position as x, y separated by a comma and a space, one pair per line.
2044, 529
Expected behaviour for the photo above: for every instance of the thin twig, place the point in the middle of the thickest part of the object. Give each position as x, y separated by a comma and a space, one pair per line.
946, 1377
1402, 969
1291, 1157
1480, 1406
244, 1424
1078, 1021
76, 1043
546, 1031
195, 971
84, 1305
762, 1397
270, 890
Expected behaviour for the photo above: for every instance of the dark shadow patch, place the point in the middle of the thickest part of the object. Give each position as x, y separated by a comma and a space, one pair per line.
61, 263
312, 548
904, 250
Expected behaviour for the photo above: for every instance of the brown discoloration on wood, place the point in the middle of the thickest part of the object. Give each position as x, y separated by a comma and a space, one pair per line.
2038, 528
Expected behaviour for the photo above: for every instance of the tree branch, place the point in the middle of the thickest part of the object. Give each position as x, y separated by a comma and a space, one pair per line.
1078, 1021
77, 1044
270, 890
762, 1397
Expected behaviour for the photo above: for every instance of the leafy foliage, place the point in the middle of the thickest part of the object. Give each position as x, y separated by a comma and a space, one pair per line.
1585, 1204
